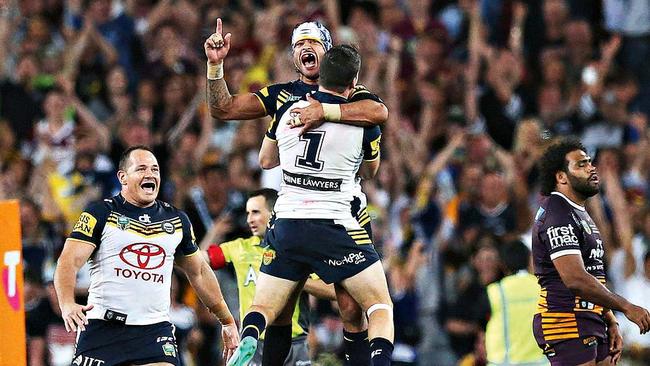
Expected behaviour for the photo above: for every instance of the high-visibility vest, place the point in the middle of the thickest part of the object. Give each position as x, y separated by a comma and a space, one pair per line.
509, 338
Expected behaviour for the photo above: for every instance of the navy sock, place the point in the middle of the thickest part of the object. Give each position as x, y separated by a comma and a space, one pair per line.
253, 325
381, 351
277, 345
357, 348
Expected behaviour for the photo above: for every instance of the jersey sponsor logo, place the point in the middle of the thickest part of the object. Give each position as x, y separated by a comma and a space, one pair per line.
352, 258
145, 219
139, 275
559, 236
143, 255
85, 224
598, 252
123, 222
87, 361
268, 256
168, 227
312, 183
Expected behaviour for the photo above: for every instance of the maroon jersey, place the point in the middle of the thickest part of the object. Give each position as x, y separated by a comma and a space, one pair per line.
563, 227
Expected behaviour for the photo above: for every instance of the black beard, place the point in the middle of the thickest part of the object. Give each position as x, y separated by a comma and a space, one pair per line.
582, 187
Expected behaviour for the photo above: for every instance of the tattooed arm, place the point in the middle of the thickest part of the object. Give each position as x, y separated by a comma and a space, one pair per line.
223, 105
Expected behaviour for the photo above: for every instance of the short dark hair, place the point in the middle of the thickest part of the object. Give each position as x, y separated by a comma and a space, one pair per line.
124, 159
270, 195
340, 66
554, 160
515, 256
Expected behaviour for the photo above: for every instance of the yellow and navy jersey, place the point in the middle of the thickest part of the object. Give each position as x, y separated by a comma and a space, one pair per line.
277, 98
134, 251
246, 256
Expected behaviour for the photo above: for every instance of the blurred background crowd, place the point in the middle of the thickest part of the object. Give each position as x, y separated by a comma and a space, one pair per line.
475, 88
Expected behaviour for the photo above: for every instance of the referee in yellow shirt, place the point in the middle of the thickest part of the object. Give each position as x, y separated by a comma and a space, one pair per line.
246, 256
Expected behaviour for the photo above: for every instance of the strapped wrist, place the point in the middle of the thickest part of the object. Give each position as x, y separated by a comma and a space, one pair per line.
331, 112
215, 72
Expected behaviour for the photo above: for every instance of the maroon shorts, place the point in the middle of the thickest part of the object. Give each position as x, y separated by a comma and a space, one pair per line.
577, 351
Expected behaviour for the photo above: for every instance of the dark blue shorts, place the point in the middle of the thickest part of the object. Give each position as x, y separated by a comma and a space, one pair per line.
116, 344
299, 247
577, 351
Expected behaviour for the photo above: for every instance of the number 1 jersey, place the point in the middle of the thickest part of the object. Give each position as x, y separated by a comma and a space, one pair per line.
319, 168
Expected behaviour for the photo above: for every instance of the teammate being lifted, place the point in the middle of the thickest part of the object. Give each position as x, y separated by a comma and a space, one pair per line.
309, 42
314, 230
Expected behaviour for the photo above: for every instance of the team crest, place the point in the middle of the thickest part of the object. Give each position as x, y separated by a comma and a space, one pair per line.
168, 227
169, 349
123, 222
586, 226
268, 256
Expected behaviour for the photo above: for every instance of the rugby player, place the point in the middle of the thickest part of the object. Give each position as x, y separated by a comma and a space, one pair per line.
574, 324
132, 241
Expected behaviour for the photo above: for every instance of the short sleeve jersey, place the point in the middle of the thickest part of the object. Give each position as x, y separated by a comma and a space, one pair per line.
319, 168
246, 256
131, 265
278, 98
563, 227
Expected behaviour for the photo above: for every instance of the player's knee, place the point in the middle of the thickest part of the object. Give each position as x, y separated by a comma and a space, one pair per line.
385, 309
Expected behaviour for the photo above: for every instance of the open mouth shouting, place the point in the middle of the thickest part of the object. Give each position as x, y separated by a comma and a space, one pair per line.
309, 60
149, 187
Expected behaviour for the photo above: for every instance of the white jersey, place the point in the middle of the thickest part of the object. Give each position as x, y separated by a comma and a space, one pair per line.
319, 168
131, 266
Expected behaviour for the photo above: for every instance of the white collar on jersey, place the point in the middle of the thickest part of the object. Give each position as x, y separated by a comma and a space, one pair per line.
581, 208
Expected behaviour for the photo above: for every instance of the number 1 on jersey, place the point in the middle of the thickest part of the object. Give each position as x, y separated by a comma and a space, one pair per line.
309, 159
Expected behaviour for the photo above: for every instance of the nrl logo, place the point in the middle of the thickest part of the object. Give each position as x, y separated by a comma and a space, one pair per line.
123, 222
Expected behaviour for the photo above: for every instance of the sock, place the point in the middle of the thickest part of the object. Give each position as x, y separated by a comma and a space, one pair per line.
357, 348
253, 325
381, 351
277, 345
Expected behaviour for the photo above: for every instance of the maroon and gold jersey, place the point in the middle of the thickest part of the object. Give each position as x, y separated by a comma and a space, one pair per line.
563, 227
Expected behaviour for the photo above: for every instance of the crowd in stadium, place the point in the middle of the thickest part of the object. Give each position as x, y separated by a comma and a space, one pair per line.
475, 90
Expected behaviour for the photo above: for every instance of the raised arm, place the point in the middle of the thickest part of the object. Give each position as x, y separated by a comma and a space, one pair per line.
222, 104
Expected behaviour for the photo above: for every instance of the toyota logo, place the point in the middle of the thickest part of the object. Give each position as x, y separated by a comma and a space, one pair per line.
143, 255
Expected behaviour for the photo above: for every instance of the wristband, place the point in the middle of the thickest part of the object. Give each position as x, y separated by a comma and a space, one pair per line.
215, 72
331, 112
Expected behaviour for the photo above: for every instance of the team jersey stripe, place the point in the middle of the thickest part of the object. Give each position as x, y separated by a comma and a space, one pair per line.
560, 331
561, 336
361, 242
559, 325
145, 233
354, 232
558, 315
363, 222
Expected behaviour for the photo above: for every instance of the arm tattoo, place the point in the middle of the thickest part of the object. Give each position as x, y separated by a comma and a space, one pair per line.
218, 94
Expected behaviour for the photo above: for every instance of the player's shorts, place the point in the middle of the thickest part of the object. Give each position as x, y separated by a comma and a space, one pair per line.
299, 247
298, 355
111, 343
576, 351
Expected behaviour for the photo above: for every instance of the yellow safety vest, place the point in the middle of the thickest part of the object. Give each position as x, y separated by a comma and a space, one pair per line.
509, 336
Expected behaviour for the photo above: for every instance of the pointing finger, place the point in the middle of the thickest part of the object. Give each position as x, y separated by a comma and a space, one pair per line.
219, 26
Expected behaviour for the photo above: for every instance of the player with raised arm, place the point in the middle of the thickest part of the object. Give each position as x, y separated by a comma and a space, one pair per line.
132, 241
574, 324
314, 230
245, 254
309, 42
